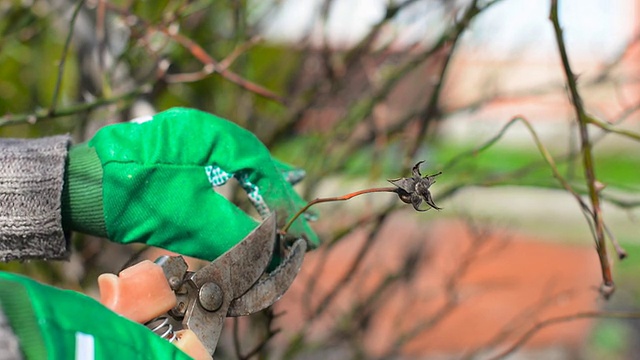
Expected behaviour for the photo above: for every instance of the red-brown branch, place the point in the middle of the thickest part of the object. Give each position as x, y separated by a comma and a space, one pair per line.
337, 198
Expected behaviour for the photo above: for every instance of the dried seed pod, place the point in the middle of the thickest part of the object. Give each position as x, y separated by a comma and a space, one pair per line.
415, 189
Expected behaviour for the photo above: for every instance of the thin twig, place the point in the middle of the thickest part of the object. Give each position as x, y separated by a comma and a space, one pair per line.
541, 148
357, 262
338, 235
207, 70
270, 334
589, 215
480, 240
337, 198
369, 304
527, 315
236, 337
608, 286
431, 111
560, 319
334, 84
101, 34
611, 128
533, 166
32, 118
63, 57
210, 65
239, 50
622, 254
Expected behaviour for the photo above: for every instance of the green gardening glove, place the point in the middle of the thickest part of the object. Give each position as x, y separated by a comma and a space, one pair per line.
52, 323
154, 182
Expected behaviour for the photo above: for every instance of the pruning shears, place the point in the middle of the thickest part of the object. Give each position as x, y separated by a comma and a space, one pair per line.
235, 284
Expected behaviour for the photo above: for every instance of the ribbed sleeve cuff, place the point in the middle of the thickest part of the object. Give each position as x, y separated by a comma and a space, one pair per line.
82, 206
31, 179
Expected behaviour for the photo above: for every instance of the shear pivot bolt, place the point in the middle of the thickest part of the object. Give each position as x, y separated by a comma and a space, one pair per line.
210, 296
174, 282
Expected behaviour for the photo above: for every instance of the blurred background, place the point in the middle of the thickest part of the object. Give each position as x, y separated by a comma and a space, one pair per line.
356, 92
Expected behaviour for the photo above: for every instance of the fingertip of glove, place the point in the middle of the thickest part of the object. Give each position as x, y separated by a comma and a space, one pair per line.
291, 174
294, 176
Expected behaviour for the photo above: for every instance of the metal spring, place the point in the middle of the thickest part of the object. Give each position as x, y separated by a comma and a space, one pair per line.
162, 327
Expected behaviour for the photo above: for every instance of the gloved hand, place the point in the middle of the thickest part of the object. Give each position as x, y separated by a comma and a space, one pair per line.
155, 183
62, 324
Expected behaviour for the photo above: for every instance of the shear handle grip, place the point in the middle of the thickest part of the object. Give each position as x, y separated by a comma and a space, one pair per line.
188, 342
139, 293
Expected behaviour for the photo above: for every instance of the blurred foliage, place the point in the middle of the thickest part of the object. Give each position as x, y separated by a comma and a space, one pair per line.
610, 339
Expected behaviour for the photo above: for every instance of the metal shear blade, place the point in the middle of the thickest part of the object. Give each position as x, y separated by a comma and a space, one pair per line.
271, 288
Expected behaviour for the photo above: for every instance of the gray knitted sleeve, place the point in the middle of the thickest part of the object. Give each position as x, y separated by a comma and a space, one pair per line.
31, 179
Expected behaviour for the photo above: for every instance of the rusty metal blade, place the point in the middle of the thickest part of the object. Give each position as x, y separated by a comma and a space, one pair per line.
224, 279
246, 261
270, 289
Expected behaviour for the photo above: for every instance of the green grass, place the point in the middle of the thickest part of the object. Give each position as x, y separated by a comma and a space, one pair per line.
614, 168
617, 170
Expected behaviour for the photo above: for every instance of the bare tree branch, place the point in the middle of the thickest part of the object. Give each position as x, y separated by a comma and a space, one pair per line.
63, 58
608, 286
32, 118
